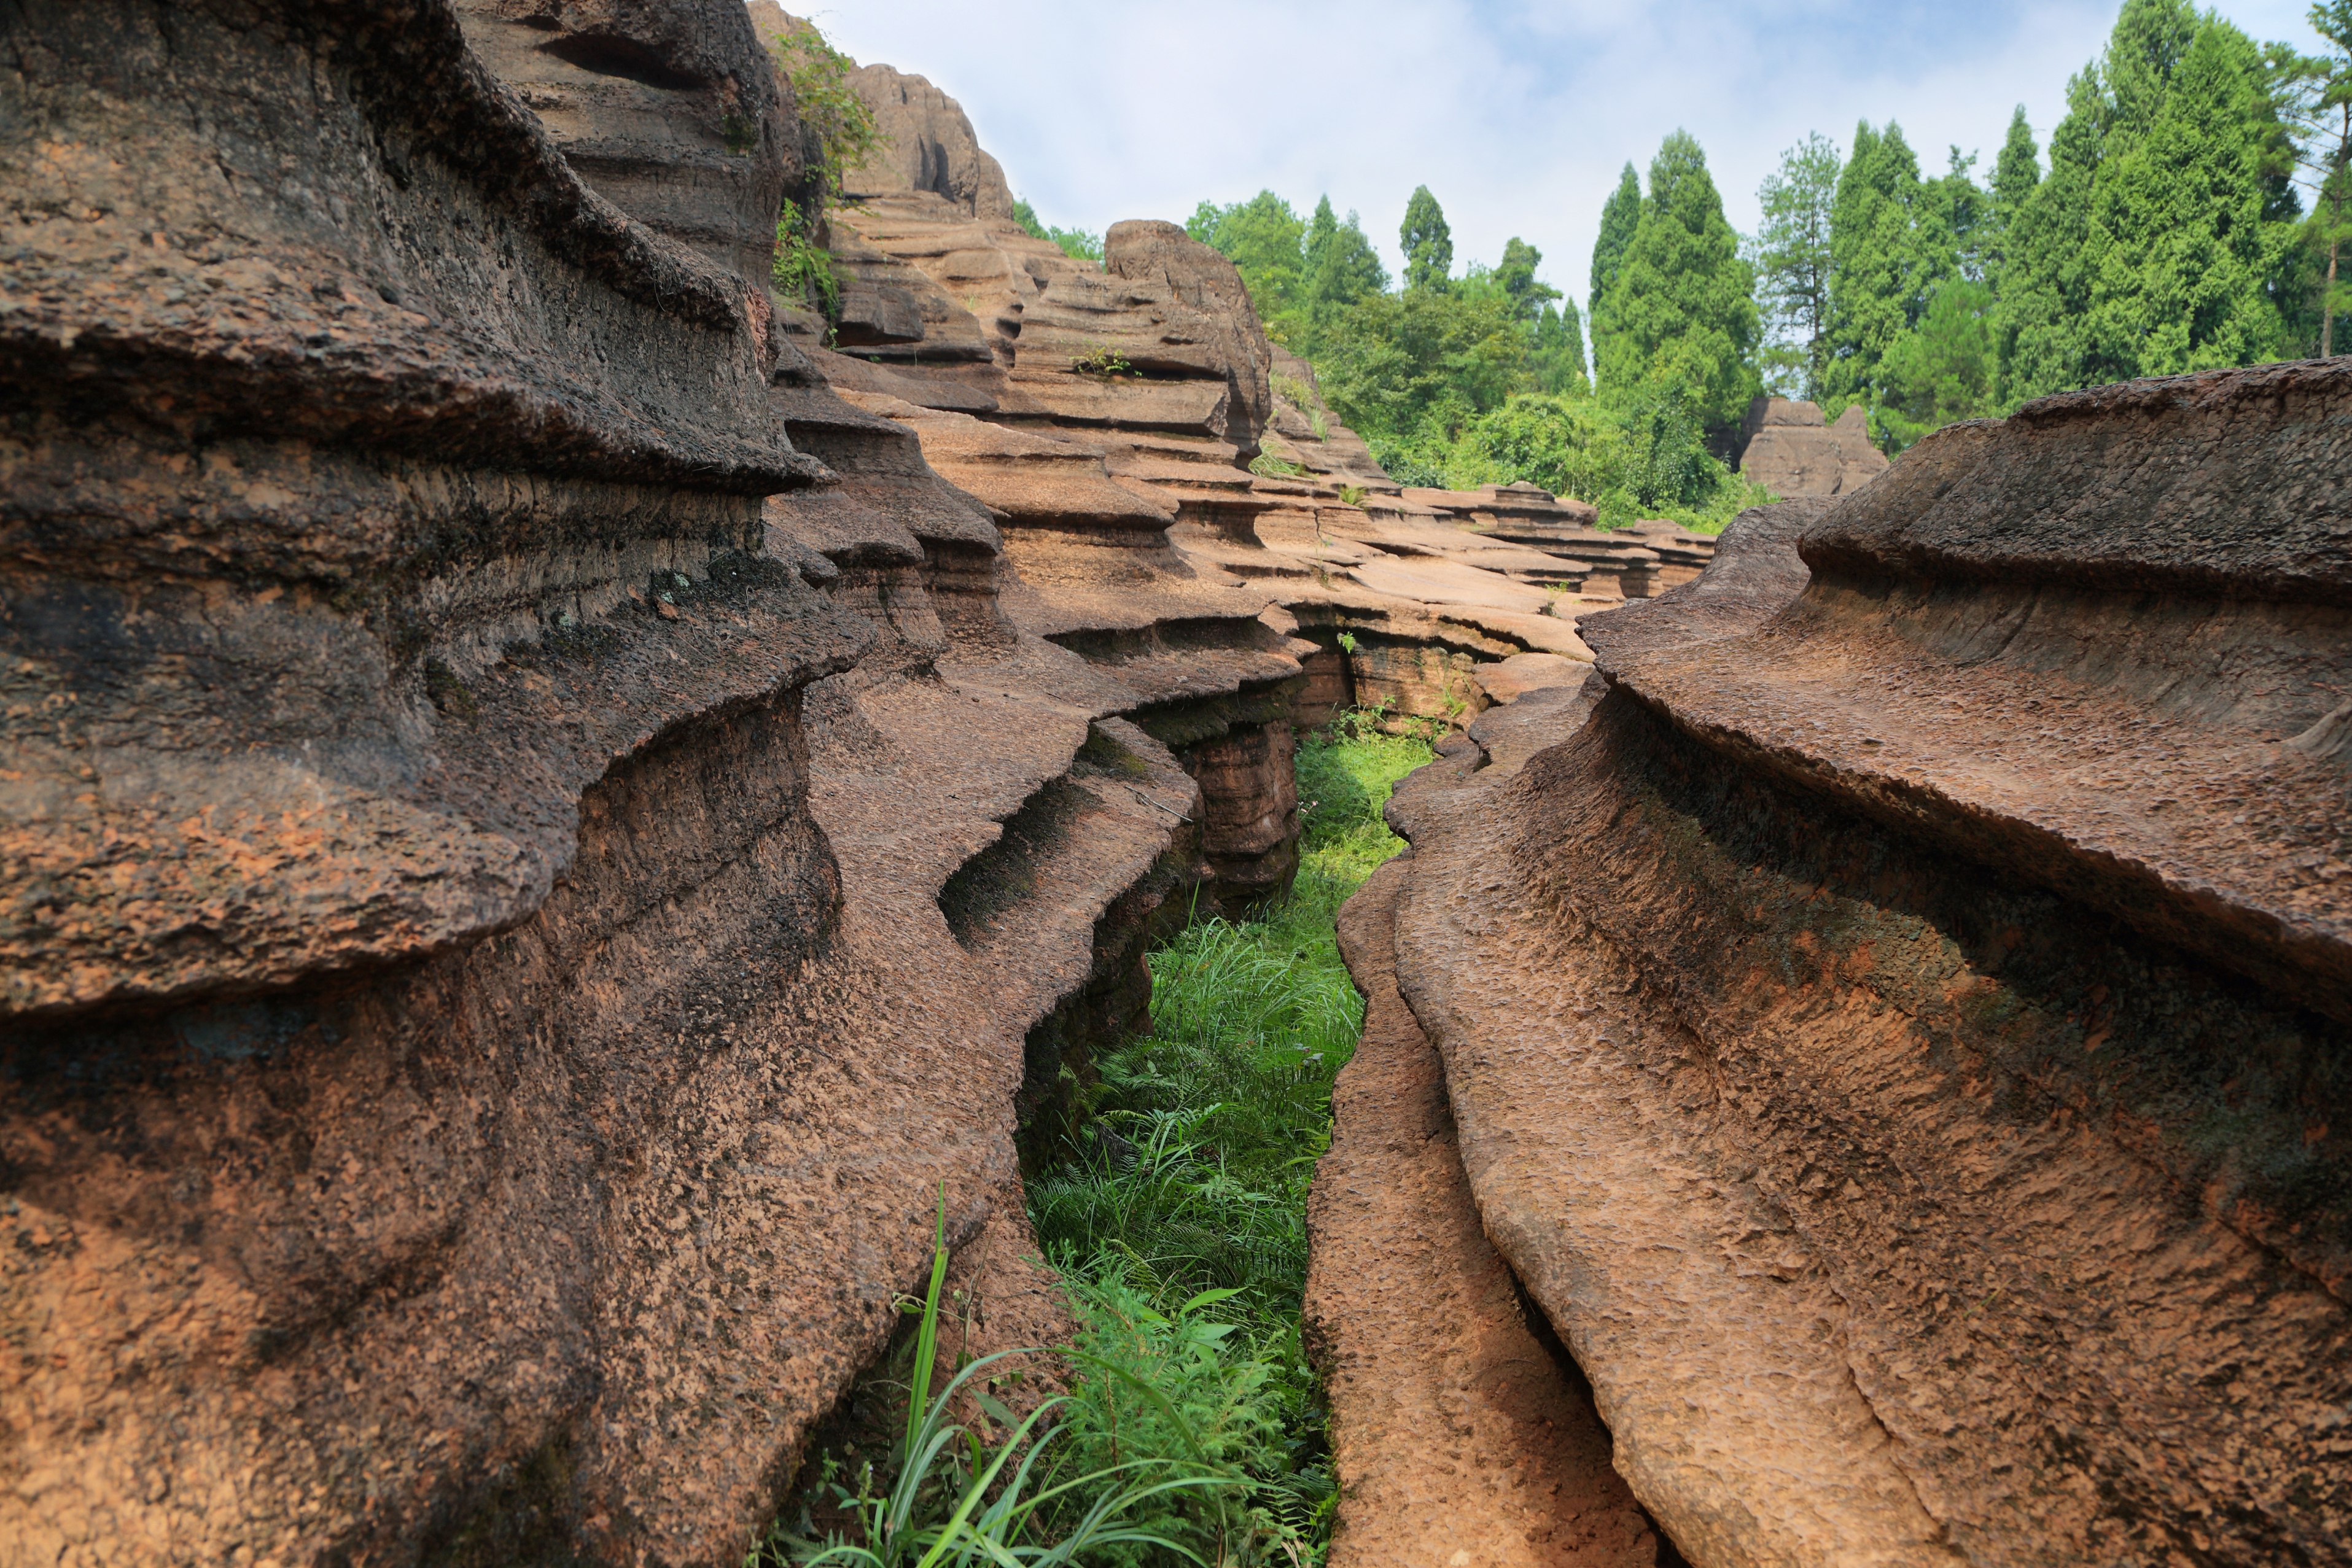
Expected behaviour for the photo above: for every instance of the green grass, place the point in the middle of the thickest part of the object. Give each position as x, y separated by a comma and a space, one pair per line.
1209, 1130
1193, 1429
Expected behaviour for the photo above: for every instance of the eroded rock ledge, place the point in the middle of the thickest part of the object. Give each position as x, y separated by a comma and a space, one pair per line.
533, 852
1899, 1038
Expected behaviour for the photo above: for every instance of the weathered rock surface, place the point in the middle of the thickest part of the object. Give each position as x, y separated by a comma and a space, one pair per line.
927, 144
1460, 1431
1897, 1038
522, 884
670, 112
1790, 449
1090, 410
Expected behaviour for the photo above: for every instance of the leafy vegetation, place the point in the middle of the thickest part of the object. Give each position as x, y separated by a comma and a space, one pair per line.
2166, 231
950, 1497
843, 130
1081, 242
2165, 234
1101, 360
1481, 378
1209, 1128
1193, 1429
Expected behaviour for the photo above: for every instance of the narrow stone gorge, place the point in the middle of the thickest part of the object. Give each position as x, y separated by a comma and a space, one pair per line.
560, 805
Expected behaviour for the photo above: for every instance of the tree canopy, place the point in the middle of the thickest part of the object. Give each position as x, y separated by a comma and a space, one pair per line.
1428, 242
1680, 309
2160, 227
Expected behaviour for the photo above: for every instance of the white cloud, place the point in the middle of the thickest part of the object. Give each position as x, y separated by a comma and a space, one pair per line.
1517, 114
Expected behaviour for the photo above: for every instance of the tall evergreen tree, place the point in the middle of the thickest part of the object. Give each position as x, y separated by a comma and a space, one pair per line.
1874, 284
1681, 310
2318, 111
2046, 287
2186, 257
1620, 215
1517, 276
2014, 175
1558, 362
1947, 231
2155, 241
1428, 243
1341, 265
1792, 260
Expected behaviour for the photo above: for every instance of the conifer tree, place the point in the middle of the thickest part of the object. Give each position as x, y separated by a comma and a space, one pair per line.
2182, 224
1517, 277
1793, 259
1558, 362
2014, 176
1341, 265
2318, 111
2045, 286
1620, 215
2156, 240
1681, 310
1428, 243
1874, 284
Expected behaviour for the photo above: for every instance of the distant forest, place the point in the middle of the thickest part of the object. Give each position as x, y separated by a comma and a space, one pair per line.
2190, 212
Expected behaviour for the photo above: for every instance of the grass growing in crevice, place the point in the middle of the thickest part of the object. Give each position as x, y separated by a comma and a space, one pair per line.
1193, 1429
1206, 1132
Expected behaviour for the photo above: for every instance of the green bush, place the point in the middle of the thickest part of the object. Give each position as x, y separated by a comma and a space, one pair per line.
845, 136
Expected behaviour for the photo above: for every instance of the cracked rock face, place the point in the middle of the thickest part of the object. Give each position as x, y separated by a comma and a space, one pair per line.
1921, 980
669, 110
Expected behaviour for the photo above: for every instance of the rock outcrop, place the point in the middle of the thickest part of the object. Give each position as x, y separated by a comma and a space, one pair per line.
1896, 1037
535, 856
1790, 449
925, 144
1463, 1432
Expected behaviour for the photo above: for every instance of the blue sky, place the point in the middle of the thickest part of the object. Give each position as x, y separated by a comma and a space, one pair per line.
1517, 116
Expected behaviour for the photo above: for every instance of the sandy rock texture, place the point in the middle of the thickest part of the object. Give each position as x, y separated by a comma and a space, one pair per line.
1088, 409
1428, 588
1460, 1430
1790, 449
1896, 1036
532, 852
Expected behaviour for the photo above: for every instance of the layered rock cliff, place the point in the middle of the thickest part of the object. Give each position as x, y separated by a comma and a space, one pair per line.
534, 854
1894, 1018
558, 807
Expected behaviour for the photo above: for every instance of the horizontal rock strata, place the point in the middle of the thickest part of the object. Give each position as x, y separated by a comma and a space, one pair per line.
1895, 1039
534, 854
1791, 450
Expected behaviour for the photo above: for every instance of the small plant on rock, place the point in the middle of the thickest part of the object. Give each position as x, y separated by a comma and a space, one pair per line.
1270, 465
1102, 359
846, 136
953, 1502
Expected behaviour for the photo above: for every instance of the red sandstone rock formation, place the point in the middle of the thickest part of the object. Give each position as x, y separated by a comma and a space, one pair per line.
533, 850
1787, 447
1463, 1432
1896, 1038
